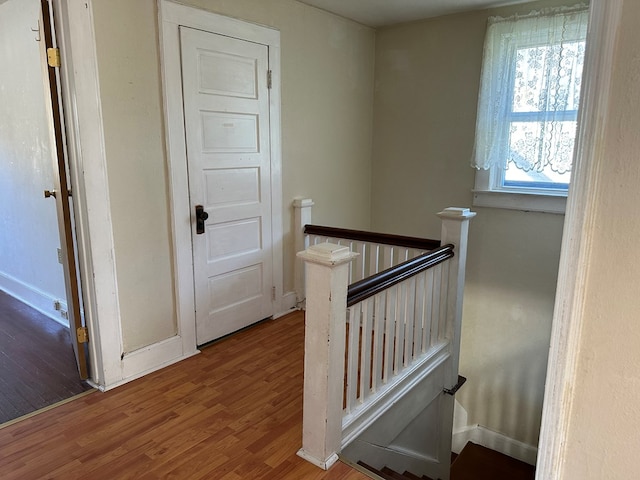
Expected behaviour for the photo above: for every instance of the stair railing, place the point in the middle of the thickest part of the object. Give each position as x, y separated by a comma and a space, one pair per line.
376, 251
384, 329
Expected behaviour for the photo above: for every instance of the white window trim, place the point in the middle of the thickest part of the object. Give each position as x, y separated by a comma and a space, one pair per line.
485, 194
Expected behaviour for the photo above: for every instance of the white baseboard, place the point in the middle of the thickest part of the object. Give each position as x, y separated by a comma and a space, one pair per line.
288, 304
495, 441
34, 297
154, 357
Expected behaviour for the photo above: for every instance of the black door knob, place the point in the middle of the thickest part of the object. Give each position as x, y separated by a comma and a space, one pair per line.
201, 217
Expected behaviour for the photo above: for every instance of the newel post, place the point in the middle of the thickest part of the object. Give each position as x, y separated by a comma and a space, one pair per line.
327, 274
301, 217
455, 230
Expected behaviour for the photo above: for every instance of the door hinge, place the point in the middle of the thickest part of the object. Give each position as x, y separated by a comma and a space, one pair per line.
53, 57
269, 78
273, 293
83, 334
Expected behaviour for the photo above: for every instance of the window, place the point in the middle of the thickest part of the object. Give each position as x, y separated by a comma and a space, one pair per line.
528, 109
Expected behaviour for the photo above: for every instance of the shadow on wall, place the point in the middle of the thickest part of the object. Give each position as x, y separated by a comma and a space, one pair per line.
505, 394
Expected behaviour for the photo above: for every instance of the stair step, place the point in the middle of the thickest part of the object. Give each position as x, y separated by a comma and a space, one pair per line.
376, 471
389, 474
411, 476
393, 474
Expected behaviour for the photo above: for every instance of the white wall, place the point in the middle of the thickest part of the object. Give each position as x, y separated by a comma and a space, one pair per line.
602, 439
427, 80
29, 267
327, 91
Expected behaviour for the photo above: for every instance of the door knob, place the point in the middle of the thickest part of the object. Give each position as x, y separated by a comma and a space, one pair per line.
201, 217
49, 193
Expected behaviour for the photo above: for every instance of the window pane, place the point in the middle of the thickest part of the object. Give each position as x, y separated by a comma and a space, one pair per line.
542, 146
547, 178
548, 77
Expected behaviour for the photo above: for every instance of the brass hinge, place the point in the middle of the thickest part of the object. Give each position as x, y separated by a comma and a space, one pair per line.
273, 293
269, 78
83, 334
53, 57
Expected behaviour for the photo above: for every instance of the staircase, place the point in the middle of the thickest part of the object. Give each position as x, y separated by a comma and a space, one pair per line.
387, 474
475, 462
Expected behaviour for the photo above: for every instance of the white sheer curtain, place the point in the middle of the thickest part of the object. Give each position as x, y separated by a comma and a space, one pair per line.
530, 90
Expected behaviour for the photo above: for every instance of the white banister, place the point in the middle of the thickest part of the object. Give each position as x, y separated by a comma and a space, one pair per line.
302, 217
455, 231
392, 337
327, 271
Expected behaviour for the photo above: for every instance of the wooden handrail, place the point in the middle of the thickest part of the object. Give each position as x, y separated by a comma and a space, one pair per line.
369, 286
373, 237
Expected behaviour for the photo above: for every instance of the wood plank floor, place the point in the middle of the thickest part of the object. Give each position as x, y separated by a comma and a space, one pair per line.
37, 366
233, 412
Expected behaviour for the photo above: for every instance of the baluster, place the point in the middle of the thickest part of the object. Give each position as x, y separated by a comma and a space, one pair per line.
419, 315
435, 304
444, 282
390, 320
378, 340
352, 361
428, 310
410, 305
374, 259
365, 349
387, 257
399, 330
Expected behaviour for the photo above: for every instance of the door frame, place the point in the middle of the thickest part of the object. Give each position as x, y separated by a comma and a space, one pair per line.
88, 172
171, 17
575, 253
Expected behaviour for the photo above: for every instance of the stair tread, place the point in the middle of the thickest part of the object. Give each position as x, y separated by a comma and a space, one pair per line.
411, 476
376, 471
393, 474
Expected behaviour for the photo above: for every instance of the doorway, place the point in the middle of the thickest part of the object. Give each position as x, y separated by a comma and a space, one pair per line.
224, 161
31, 255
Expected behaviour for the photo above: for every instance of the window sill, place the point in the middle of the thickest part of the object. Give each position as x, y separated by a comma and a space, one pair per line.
528, 202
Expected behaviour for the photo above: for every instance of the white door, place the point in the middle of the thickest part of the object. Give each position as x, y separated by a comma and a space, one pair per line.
226, 105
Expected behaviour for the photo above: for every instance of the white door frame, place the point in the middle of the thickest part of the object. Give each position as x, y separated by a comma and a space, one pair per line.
604, 21
171, 17
88, 172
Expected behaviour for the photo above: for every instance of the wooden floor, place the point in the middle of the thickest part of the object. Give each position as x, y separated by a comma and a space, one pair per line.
233, 412
37, 366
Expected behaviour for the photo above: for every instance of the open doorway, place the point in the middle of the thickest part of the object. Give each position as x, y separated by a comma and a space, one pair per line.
33, 298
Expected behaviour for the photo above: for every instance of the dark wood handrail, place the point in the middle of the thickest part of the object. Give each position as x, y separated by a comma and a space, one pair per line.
373, 237
369, 286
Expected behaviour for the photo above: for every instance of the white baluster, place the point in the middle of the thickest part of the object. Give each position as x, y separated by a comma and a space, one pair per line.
302, 217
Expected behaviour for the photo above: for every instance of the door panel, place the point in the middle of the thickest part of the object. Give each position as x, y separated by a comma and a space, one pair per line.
226, 104
61, 194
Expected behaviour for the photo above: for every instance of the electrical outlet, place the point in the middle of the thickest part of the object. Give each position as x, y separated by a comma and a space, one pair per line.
64, 314
59, 255
56, 305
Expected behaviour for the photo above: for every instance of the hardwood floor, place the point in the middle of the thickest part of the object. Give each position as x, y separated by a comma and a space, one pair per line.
37, 366
233, 412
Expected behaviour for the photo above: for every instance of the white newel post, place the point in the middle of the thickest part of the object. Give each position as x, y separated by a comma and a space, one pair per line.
327, 272
455, 231
302, 217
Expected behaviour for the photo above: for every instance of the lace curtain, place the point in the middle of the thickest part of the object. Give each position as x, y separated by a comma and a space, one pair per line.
530, 90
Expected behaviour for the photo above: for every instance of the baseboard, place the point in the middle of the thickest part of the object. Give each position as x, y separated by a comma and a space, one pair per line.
289, 302
145, 360
34, 297
495, 441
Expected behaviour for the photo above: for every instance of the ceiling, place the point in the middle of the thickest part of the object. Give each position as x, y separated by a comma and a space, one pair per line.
377, 13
